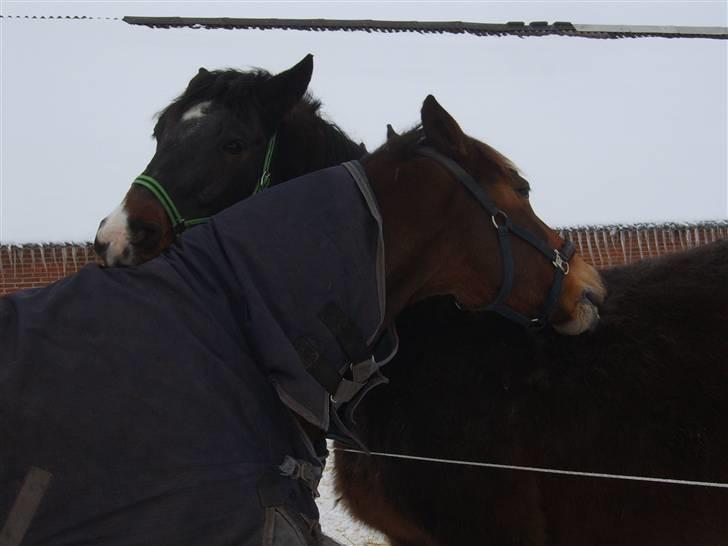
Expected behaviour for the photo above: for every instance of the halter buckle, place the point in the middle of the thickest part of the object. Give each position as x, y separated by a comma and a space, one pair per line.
179, 227
560, 263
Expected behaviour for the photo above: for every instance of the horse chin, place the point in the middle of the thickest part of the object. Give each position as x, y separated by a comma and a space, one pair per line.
585, 318
125, 258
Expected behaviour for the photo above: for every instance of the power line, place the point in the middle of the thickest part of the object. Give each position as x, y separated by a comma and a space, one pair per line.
536, 28
514, 28
61, 17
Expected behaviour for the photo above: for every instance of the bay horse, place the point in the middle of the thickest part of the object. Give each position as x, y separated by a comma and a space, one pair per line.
213, 142
156, 400
644, 394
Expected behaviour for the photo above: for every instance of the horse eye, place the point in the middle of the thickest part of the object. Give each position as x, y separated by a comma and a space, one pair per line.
523, 192
233, 147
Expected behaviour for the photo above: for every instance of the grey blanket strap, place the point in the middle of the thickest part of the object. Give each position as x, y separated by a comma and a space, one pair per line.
348, 384
308, 473
26, 505
277, 485
361, 364
342, 383
360, 372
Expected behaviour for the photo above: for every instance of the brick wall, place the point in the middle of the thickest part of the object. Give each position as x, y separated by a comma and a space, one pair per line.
608, 246
27, 266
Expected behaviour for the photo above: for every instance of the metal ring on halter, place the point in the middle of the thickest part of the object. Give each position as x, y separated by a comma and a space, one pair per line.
503, 215
560, 262
536, 323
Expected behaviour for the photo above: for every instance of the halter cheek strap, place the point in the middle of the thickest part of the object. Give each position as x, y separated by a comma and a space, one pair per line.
264, 181
179, 223
559, 258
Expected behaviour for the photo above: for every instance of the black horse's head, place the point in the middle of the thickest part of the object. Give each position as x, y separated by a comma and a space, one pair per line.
212, 144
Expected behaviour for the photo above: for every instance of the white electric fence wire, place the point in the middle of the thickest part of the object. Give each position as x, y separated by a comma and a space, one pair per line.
541, 469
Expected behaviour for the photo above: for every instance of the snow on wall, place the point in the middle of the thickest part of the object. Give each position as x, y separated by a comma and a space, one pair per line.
30, 266
609, 246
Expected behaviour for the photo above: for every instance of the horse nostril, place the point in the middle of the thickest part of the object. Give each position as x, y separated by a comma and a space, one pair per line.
100, 248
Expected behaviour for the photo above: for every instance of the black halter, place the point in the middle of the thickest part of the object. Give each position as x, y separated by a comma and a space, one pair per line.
502, 223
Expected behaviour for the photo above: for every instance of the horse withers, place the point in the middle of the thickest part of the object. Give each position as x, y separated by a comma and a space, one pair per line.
216, 142
159, 398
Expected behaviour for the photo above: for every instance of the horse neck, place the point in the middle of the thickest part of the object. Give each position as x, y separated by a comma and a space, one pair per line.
308, 143
412, 255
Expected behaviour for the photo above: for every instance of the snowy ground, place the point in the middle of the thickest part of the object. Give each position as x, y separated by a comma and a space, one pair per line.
336, 522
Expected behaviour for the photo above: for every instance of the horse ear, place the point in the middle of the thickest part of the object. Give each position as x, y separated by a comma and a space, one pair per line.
281, 92
441, 130
391, 133
202, 76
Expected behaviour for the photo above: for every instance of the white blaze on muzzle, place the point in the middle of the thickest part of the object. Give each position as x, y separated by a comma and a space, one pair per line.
115, 233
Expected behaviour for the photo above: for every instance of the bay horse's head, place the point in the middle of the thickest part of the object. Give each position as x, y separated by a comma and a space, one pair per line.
215, 142
463, 210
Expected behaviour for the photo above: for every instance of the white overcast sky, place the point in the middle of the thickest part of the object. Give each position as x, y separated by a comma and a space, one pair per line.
607, 131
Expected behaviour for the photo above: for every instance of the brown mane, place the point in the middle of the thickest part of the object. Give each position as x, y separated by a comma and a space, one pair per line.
404, 145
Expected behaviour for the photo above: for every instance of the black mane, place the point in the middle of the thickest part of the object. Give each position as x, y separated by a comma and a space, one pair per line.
316, 137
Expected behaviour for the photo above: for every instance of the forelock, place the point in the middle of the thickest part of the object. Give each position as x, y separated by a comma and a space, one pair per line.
219, 86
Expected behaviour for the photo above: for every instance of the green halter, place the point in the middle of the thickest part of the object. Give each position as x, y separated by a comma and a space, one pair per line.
179, 224
264, 181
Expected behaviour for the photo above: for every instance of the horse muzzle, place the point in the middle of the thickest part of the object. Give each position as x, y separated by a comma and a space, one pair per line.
588, 293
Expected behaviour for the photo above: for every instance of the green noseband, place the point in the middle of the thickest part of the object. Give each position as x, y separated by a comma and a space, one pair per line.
179, 224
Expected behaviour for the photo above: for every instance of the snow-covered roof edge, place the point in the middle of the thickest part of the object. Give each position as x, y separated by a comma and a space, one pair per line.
646, 225
49, 244
612, 228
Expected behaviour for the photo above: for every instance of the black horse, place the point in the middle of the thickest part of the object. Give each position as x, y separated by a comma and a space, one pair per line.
644, 394
212, 144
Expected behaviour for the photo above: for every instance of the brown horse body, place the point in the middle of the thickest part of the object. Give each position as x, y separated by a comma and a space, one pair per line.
645, 394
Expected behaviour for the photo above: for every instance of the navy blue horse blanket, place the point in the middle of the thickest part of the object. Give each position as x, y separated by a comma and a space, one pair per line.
154, 405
